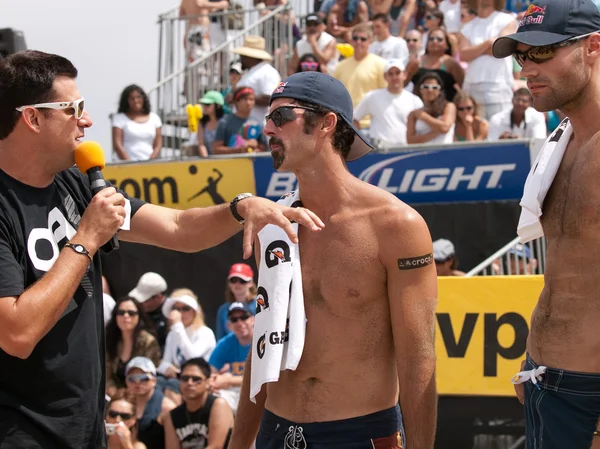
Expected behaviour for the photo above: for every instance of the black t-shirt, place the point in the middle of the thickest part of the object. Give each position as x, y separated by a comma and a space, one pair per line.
192, 427
57, 393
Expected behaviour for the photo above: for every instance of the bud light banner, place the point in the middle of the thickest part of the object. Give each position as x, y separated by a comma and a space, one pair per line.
457, 174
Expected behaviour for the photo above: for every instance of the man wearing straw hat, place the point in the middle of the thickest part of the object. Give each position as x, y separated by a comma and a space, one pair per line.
260, 75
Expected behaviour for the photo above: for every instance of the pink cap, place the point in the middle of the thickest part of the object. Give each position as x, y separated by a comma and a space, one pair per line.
242, 271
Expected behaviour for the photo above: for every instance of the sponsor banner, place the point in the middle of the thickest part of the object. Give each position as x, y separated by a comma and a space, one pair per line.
469, 173
481, 332
184, 184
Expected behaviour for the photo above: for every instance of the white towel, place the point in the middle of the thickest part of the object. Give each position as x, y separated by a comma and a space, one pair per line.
280, 324
539, 180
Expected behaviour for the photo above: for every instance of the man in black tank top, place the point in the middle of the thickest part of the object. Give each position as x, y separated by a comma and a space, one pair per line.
203, 420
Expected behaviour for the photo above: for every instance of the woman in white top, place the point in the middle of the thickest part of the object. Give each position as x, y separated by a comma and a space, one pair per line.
434, 122
136, 131
188, 336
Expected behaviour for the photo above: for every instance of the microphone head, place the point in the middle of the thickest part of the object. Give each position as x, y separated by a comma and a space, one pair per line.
89, 154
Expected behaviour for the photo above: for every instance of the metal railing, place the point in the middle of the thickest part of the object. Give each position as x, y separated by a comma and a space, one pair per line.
514, 258
184, 82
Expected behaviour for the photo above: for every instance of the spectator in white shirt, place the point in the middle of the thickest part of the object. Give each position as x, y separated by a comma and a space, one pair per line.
136, 131
188, 336
488, 79
520, 121
385, 45
260, 75
317, 42
451, 11
389, 108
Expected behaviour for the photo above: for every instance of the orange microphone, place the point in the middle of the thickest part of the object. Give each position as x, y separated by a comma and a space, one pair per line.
89, 158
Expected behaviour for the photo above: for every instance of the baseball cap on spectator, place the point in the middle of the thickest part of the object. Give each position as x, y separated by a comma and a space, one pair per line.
520, 250
213, 97
394, 63
236, 67
242, 271
150, 284
443, 250
239, 307
183, 299
314, 19
325, 91
142, 363
549, 22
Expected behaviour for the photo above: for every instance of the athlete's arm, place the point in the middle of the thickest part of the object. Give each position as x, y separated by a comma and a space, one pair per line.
412, 291
249, 414
196, 229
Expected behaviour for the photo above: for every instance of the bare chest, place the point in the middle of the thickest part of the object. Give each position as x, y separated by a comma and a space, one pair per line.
341, 268
572, 205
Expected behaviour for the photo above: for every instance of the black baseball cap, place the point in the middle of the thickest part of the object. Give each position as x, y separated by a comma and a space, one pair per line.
314, 18
548, 22
323, 90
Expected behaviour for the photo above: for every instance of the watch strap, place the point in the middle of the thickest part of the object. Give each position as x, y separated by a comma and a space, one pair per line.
233, 206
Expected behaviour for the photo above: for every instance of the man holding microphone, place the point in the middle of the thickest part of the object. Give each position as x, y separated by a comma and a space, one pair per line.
51, 227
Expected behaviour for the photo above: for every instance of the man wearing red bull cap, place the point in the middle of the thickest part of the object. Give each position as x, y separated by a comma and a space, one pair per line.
370, 292
558, 46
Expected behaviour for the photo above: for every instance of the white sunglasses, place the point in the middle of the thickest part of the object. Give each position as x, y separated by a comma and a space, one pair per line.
430, 87
77, 106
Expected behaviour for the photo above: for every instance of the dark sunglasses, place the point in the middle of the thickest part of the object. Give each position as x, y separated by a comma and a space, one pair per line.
360, 38
135, 378
465, 108
127, 312
430, 17
436, 39
309, 66
412, 40
285, 114
115, 414
235, 319
194, 379
236, 280
539, 55
182, 308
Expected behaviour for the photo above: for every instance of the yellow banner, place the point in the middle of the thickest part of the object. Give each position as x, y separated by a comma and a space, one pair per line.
184, 184
482, 328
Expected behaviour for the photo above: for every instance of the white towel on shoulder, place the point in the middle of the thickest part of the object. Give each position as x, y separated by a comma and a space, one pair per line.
539, 180
280, 324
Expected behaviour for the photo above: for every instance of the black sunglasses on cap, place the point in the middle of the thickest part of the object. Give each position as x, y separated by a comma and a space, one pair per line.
116, 414
127, 312
285, 114
194, 379
237, 280
235, 319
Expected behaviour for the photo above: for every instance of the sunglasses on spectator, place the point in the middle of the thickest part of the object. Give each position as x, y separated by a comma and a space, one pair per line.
539, 55
127, 312
430, 17
116, 414
360, 38
235, 319
430, 87
285, 114
181, 309
194, 379
236, 280
465, 108
77, 106
309, 66
436, 39
412, 40
136, 378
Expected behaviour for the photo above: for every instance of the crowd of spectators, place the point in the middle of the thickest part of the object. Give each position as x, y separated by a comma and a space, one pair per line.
418, 71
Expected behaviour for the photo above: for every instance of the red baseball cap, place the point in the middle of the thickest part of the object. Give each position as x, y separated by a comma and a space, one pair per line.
242, 271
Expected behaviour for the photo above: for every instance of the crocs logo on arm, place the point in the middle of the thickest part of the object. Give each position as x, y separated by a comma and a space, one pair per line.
415, 262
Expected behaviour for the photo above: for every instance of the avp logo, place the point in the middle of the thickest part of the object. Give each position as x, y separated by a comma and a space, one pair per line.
277, 252
425, 180
262, 300
260, 347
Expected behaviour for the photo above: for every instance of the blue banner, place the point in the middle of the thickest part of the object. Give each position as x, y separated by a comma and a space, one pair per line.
471, 173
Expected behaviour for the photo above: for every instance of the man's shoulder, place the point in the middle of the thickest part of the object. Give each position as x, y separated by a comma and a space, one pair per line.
226, 342
501, 117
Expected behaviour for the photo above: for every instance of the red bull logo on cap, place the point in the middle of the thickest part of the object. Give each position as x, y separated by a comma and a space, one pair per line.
280, 87
533, 16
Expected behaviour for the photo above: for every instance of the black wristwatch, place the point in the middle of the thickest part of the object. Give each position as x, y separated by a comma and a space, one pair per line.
233, 206
79, 249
